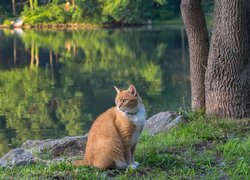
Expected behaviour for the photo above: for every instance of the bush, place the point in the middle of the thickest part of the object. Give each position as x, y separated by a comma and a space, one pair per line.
7, 22
51, 13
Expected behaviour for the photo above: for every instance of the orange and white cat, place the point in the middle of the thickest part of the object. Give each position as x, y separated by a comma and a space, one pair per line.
114, 134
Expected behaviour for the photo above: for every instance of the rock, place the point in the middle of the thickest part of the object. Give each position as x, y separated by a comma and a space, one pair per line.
18, 22
162, 122
67, 146
46, 151
16, 157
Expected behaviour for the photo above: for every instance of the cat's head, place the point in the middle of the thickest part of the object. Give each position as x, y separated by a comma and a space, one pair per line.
128, 101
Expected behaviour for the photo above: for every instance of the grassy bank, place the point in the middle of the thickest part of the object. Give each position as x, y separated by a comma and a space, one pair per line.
202, 148
178, 22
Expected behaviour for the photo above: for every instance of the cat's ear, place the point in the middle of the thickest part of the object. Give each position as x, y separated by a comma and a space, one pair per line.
117, 89
132, 90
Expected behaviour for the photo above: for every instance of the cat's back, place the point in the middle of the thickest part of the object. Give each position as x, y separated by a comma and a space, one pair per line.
105, 127
105, 119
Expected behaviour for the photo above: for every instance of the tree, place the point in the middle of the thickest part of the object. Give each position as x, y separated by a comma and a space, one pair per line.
33, 4
13, 7
198, 48
227, 75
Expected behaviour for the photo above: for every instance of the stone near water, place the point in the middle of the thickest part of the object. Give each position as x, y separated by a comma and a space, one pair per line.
67, 146
17, 157
53, 150
162, 122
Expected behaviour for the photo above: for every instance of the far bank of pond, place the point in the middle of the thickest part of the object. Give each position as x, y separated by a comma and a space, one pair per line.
59, 26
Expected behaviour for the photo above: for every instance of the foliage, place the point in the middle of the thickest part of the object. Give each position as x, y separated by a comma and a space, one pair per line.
5, 7
127, 11
7, 22
200, 149
91, 11
50, 13
208, 6
98, 11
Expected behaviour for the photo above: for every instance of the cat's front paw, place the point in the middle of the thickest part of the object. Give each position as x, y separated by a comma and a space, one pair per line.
136, 163
132, 167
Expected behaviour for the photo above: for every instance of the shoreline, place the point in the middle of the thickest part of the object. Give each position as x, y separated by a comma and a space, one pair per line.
70, 26
55, 26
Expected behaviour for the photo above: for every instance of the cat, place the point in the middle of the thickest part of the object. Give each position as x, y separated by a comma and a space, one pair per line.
114, 134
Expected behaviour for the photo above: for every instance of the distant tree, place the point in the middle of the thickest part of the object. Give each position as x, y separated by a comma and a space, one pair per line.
14, 7
5, 7
33, 4
227, 75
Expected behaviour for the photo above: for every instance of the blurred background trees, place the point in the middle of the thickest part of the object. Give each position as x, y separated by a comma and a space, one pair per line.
94, 11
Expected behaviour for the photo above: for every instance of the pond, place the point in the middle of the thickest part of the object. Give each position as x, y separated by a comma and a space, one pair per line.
54, 83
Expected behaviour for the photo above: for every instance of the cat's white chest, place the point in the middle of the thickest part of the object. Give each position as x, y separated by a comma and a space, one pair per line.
139, 120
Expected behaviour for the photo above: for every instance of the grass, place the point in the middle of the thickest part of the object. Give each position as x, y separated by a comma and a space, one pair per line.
200, 149
178, 22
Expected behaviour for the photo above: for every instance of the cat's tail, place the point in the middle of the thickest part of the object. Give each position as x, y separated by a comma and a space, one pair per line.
79, 163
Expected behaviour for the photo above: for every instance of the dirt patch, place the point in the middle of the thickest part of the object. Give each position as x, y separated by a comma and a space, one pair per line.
202, 146
199, 147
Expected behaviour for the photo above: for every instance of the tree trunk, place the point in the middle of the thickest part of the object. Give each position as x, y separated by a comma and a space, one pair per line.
31, 4
14, 7
248, 22
227, 80
197, 34
35, 4
73, 3
248, 55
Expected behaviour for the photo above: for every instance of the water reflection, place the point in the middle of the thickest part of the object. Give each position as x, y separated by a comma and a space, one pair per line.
54, 83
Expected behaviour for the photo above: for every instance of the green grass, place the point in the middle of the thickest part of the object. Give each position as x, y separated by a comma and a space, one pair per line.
200, 149
178, 22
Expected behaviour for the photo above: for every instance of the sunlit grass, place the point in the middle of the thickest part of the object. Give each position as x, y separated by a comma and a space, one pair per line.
203, 148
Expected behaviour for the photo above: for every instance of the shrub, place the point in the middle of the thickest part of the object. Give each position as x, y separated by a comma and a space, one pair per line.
50, 13
7, 22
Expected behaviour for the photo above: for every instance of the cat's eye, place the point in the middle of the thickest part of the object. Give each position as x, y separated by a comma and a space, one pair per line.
124, 100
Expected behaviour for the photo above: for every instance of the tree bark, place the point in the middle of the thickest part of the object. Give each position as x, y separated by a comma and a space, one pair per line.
73, 3
31, 4
197, 34
14, 7
248, 66
227, 80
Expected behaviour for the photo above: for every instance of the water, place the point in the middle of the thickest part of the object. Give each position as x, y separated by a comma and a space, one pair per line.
54, 83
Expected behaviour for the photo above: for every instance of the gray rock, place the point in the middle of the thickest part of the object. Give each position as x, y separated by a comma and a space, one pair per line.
46, 151
16, 157
162, 122
67, 146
